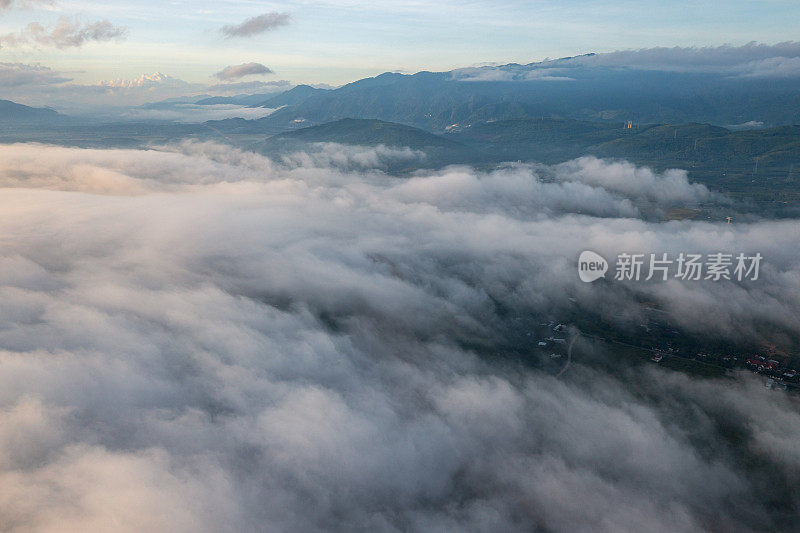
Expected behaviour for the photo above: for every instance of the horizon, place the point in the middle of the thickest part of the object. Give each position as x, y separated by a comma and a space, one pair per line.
204, 46
38, 85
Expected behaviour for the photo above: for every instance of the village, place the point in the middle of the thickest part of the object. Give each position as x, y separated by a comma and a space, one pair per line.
658, 342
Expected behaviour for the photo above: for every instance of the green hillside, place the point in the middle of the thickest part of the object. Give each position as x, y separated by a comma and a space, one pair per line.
368, 132
760, 164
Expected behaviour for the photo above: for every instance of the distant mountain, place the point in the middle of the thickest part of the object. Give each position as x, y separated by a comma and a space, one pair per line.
367, 132
294, 96
573, 88
11, 111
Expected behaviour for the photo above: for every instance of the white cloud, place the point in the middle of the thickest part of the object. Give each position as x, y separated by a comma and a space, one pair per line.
635, 182
773, 67
66, 33
196, 113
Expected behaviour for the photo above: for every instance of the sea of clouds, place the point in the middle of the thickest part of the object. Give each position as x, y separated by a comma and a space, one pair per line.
199, 338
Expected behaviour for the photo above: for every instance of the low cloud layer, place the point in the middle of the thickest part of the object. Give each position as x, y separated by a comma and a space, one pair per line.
250, 86
198, 338
257, 25
21, 74
697, 56
235, 72
192, 113
750, 60
753, 60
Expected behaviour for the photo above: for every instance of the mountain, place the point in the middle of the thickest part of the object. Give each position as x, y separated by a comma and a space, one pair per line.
367, 132
758, 163
11, 111
293, 96
438, 151
579, 88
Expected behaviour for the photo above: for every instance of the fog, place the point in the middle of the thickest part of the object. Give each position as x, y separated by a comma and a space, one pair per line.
199, 338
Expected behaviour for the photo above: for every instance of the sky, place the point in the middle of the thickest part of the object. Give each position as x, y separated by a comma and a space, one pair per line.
338, 41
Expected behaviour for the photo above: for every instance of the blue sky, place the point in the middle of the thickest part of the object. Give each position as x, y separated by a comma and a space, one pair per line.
336, 41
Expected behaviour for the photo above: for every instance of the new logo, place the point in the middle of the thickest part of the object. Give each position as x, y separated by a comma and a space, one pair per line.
591, 266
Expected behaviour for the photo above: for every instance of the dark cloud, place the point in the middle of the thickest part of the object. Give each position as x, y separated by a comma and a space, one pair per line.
66, 33
256, 25
234, 72
198, 338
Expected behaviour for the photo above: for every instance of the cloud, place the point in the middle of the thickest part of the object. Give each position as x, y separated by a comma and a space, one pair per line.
248, 86
671, 187
257, 344
191, 113
749, 60
66, 33
235, 72
8, 4
20, 74
749, 125
706, 57
256, 25
773, 67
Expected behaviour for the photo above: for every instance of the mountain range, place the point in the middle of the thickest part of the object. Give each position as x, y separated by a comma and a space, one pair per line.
572, 88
